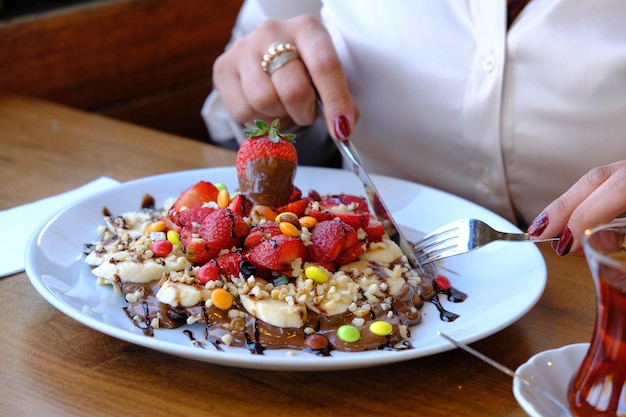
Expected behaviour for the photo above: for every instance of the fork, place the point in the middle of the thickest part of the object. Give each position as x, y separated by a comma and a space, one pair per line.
463, 236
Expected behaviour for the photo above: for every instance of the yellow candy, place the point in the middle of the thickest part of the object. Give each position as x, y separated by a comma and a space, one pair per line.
174, 237
381, 328
316, 273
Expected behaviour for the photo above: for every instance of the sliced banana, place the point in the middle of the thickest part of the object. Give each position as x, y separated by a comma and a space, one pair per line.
120, 266
178, 294
395, 284
377, 273
275, 312
332, 297
383, 252
124, 255
131, 223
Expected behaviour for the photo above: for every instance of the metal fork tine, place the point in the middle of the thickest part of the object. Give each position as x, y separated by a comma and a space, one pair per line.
436, 242
434, 256
438, 236
463, 236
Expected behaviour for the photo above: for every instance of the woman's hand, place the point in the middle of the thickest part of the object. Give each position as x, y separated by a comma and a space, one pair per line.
249, 93
598, 197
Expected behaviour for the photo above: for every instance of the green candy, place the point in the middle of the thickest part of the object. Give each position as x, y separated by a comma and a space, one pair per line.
348, 333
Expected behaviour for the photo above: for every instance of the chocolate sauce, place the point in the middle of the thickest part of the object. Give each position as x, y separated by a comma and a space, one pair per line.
193, 340
454, 295
430, 292
444, 314
402, 310
253, 334
268, 181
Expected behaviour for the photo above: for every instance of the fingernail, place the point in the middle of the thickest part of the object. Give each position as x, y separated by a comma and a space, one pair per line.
554, 244
538, 225
342, 127
565, 242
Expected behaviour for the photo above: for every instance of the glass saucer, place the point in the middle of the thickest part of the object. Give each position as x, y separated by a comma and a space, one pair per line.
551, 371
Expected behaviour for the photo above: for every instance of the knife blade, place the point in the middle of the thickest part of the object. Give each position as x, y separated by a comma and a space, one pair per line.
351, 156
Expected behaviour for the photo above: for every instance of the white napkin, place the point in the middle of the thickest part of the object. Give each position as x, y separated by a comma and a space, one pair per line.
19, 223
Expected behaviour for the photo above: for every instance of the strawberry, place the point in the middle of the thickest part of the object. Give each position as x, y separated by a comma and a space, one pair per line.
351, 209
359, 203
228, 264
266, 164
330, 239
260, 232
296, 194
223, 229
321, 214
240, 205
296, 207
277, 253
195, 248
351, 253
191, 217
358, 220
196, 195
374, 229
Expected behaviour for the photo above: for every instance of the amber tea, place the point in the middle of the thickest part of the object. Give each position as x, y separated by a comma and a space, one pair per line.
599, 386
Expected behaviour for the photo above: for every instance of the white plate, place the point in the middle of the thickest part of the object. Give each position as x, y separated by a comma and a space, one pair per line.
503, 280
551, 371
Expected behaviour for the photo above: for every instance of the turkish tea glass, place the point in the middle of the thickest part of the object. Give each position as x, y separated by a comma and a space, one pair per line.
599, 386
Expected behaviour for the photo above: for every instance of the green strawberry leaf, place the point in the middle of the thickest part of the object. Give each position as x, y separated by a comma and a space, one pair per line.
259, 128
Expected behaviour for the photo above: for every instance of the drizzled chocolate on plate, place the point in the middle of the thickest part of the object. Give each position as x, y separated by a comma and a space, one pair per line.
290, 271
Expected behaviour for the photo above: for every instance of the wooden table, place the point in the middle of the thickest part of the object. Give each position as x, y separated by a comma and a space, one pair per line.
51, 365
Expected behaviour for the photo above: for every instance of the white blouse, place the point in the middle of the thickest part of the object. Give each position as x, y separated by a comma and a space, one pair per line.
450, 99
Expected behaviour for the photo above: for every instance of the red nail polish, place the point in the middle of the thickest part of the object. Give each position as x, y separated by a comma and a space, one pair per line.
565, 242
538, 225
342, 127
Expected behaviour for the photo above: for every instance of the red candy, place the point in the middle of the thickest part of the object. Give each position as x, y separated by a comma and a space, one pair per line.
161, 248
442, 282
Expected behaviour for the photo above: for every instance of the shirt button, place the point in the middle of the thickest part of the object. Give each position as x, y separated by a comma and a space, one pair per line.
489, 63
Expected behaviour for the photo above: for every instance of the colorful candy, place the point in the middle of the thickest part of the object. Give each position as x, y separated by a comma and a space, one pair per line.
161, 248
221, 299
316, 273
381, 328
348, 333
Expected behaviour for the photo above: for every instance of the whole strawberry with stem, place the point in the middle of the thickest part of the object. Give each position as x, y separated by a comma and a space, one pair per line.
266, 164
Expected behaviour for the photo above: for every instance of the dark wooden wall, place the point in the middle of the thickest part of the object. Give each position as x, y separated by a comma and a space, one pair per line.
145, 61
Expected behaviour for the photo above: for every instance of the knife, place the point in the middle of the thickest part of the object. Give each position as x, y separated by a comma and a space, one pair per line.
351, 156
